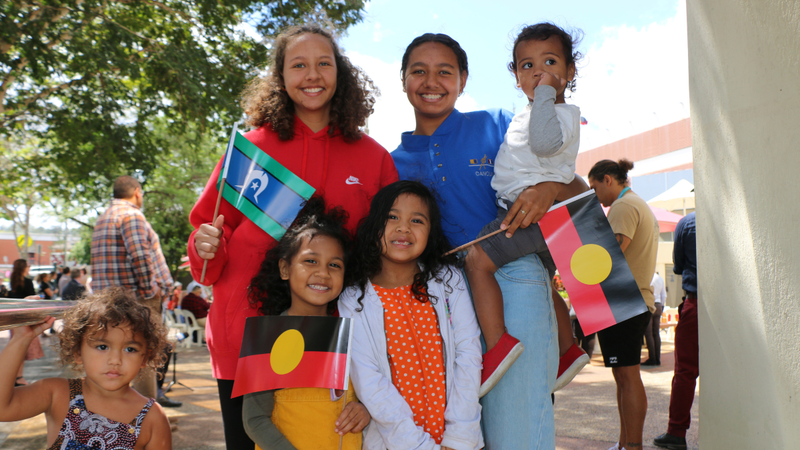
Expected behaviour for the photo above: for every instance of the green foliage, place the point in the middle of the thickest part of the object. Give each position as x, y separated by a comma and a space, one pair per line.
82, 250
171, 190
94, 76
26, 181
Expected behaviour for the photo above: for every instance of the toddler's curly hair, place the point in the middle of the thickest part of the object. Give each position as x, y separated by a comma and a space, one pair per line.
96, 313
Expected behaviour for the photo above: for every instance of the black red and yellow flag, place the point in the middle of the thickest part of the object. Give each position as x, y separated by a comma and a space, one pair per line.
293, 351
593, 269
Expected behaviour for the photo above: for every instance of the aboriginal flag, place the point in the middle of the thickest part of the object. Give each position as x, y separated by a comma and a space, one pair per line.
593, 269
293, 351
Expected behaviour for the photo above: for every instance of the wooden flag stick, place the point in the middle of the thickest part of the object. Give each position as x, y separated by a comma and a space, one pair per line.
344, 403
469, 244
216, 212
557, 205
221, 187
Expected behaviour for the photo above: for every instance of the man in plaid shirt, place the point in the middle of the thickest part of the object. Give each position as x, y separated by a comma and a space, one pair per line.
126, 252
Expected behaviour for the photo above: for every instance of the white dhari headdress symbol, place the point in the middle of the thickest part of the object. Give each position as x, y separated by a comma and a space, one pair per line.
257, 179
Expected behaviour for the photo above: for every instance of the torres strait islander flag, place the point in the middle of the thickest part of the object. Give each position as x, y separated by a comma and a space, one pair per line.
593, 269
261, 188
293, 351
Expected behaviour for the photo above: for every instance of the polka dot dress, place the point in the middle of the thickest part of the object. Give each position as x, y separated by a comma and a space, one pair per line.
415, 356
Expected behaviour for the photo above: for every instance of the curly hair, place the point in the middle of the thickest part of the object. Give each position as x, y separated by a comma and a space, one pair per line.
268, 292
369, 238
96, 313
542, 32
265, 100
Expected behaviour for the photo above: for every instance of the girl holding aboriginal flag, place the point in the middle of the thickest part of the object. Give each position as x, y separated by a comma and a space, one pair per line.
306, 115
303, 275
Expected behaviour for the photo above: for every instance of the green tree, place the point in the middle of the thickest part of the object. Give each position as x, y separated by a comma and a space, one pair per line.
25, 184
172, 188
93, 75
81, 252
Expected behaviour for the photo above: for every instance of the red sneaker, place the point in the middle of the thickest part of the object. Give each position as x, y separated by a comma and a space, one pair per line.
570, 365
498, 360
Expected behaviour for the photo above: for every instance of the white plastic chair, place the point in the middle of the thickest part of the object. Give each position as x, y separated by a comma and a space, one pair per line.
173, 325
190, 322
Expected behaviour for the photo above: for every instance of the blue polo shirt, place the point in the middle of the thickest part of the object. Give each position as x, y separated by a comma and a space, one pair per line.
457, 163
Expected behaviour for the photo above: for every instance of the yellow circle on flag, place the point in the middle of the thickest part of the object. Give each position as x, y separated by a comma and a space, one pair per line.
287, 351
590, 264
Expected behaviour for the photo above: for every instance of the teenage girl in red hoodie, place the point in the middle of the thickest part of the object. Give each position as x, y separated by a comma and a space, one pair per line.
306, 115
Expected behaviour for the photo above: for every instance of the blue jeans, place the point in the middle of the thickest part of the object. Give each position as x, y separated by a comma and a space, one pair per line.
518, 412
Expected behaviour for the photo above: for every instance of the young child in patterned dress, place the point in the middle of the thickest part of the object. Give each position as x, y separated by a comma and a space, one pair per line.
111, 336
416, 356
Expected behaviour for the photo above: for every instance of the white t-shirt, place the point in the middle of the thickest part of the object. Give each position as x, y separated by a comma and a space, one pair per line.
517, 166
659, 290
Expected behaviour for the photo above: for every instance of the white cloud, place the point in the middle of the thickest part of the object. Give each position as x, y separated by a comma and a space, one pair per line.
466, 103
634, 80
393, 113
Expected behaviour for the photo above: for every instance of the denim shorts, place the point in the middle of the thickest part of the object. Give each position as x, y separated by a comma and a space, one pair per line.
502, 250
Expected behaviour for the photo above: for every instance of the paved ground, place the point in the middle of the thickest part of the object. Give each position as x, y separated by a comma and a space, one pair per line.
585, 411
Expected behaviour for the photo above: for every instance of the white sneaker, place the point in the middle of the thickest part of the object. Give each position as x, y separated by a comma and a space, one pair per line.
616, 447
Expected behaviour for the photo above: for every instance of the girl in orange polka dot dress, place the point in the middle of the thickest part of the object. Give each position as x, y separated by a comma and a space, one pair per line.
416, 354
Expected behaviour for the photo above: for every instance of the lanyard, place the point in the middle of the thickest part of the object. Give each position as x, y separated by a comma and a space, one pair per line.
623, 192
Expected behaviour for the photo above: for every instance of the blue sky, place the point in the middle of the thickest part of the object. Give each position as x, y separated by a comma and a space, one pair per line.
634, 75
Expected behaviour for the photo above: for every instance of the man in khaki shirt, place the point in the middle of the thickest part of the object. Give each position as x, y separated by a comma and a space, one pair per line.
637, 232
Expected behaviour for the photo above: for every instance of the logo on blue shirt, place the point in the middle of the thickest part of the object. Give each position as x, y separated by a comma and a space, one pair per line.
483, 164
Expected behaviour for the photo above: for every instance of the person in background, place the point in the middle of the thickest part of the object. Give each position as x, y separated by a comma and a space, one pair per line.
53, 283
21, 284
63, 280
86, 279
687, 368
177, 295
45, 289
652, 335
196, 304
126, 252
3, 290
22, 287
74, 289
203, 290
637, 232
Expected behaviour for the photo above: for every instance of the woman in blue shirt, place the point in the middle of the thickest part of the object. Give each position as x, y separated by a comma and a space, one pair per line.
453, 153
